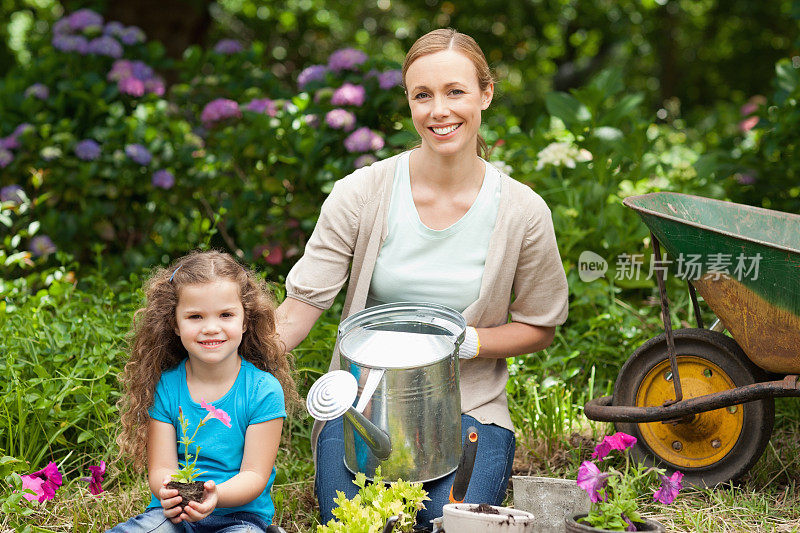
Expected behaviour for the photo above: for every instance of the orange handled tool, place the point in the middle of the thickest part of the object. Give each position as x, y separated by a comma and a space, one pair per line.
465, 466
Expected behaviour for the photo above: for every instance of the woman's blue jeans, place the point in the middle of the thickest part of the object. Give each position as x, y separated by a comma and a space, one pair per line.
487, 485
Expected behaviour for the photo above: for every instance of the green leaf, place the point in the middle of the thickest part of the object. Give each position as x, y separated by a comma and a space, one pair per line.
567, 108
788, 77
622, 110
608, 81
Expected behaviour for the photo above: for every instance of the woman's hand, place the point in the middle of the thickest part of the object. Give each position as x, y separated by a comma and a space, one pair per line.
196, 511
170, 501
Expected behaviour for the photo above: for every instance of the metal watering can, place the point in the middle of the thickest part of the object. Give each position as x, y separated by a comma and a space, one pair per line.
401, 362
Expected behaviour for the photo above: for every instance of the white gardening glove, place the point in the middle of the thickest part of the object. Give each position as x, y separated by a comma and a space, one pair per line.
471, 346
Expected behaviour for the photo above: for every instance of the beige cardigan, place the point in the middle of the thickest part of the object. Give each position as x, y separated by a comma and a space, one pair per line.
522, 260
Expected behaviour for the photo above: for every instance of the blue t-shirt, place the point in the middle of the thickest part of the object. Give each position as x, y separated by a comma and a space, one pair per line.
256, 396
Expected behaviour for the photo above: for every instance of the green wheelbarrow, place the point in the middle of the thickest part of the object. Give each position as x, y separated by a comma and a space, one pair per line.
697, 400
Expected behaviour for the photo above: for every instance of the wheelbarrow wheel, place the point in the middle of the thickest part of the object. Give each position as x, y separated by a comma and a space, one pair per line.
710, 447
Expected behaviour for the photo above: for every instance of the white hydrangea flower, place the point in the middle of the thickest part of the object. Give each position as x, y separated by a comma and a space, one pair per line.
503, 167
561, 154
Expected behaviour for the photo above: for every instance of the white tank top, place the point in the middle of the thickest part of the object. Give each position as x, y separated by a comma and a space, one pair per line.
420, 264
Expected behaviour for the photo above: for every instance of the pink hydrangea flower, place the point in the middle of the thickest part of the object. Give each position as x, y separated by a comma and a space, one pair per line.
262, 105
670, 486
363, 140
309, 74
346, 59
213, 412
617, 441
364, 160
340, 119
349, 94
592, 480
219, 109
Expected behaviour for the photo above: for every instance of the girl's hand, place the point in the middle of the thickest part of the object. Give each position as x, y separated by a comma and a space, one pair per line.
170, 501
196, 511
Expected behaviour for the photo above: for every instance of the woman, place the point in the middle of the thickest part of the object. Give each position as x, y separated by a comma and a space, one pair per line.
437, 224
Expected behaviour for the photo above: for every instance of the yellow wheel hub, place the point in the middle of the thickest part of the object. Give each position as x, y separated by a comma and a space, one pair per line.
703, 439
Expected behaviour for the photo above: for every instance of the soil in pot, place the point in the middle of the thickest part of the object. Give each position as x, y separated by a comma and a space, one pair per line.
573, 525
189, 492
484, 508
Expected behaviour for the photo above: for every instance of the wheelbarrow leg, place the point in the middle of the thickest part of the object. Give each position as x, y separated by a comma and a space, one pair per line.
695, 305
662, 289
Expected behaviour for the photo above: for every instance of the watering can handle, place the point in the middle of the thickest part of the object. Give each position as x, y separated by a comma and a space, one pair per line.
465, 466
373, 379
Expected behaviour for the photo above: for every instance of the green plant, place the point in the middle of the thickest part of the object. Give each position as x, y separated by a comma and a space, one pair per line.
614, 493
187, 471
368, 511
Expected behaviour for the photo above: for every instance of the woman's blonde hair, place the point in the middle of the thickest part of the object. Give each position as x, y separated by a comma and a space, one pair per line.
154, 346
450, 39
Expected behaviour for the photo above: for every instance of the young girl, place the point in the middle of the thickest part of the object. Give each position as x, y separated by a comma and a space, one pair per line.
206, 336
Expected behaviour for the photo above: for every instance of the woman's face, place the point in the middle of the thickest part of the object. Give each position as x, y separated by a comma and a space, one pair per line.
446, 101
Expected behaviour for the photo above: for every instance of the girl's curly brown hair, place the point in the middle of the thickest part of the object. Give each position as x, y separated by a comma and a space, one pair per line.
155, 347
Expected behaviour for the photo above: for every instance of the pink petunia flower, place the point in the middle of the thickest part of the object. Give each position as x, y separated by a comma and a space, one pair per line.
43, 482
592, 480
213, 412
617, 441
669, 488
96, 478
34, 484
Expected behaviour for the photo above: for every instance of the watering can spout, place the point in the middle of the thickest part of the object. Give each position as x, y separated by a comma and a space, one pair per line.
377, 439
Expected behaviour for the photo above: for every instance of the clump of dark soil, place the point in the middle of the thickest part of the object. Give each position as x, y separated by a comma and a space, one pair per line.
189, 492
484, 508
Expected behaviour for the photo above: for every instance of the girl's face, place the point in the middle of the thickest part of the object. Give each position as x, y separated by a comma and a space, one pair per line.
210, 321
446, 101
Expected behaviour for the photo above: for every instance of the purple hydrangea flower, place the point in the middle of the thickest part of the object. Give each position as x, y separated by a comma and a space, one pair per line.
62, 27
131, 86
84, 18
138, 154
154, 86
71, 43
6, 157
346, 59
364, 160
363, 140
21, 129
105, 46
219, 109
42, 245
141, 70
262, 105
340, 119
163, 179
132, 35
113, 28
37, 90
390, 79
87, 150
349, 94
9, 143
12, 193
309, 74
228, 47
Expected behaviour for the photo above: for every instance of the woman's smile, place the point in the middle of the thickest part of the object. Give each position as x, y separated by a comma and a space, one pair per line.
444, 130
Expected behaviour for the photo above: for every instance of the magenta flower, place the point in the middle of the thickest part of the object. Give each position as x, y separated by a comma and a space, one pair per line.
617, 441
105, 46
346, 59
37, 90
213, 412
228, 47
163, 179
122, 68
670, 486
349, 94
87, 150
154, 86
96, 478
9, 143
748, 124
43, 482
364, 160
219, 109
272, 254
592, 480
42, 245
340, 119
262, 105
309, 74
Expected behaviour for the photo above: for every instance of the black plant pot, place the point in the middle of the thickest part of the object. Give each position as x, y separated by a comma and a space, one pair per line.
573, 526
